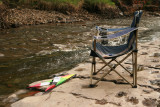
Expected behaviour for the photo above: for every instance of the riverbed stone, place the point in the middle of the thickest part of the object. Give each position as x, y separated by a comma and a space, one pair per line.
11, 99
154, 72
140, 67
155, 82
158, 76
144, 53
149, 102
39, 94
2, 55
132, 100
21, 92
156, 54
155, 60
121, 94
147, 91
158, 65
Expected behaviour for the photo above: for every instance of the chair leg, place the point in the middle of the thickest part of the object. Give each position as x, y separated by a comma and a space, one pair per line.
93, 71
133, 62
94, 65
91, 75
135, 70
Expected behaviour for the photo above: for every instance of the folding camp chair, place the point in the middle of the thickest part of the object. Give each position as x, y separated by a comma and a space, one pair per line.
113, 52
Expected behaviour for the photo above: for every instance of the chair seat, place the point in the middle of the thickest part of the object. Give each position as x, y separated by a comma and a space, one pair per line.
108, 52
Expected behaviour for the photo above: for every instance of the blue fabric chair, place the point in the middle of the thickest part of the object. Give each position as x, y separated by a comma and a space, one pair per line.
113, 52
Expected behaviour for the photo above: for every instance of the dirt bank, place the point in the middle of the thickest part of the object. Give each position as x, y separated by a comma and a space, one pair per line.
20, 16
12, 18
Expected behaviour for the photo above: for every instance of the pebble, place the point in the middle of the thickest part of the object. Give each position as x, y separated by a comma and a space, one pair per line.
144, 46
144, 53
58, 74
147, 91
21, 92
120, 81
140, 68
11, 99
34, 39
39, 94
155, 82
2, 97
128, 62
149, 102
44, 52
80, 69
1, 55
121, 94
129, 68
158, 76
101, 102
156, 54
133, 100
151, 44
154, 72
155, 60
157, 65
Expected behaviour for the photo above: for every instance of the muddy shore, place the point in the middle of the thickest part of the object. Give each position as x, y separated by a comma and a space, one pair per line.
108, 93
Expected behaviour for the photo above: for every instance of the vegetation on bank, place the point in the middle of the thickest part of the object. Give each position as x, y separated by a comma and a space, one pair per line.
76, 5
62, 5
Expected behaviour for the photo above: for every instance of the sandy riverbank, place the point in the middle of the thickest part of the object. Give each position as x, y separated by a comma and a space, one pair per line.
76, 93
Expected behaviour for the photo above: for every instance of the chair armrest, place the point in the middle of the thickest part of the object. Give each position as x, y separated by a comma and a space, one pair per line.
121, 33
110, 29
100, 37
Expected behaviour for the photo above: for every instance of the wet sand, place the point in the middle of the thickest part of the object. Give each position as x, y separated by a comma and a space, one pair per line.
108, 93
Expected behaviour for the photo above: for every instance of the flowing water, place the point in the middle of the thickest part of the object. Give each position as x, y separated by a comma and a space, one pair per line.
32, 53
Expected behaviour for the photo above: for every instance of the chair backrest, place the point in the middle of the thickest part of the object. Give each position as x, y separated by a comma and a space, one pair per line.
132, 36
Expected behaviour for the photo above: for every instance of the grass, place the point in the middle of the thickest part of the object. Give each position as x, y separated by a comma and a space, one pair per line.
98, 5
58, 5
108, 2
63, 5
51, 2
148, 2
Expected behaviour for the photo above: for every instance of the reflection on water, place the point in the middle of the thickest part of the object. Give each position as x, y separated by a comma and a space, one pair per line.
31, 53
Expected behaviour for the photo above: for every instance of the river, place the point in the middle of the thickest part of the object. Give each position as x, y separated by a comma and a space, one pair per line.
32, 53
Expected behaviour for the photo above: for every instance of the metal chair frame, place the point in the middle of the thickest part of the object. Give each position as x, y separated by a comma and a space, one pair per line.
113, 68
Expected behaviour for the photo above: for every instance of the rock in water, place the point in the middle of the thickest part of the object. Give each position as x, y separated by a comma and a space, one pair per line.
1, 55
11, 99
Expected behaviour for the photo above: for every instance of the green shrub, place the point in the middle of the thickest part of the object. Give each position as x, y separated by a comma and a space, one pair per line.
97, 5
148, 2
59, 5
62, 5
108, 2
